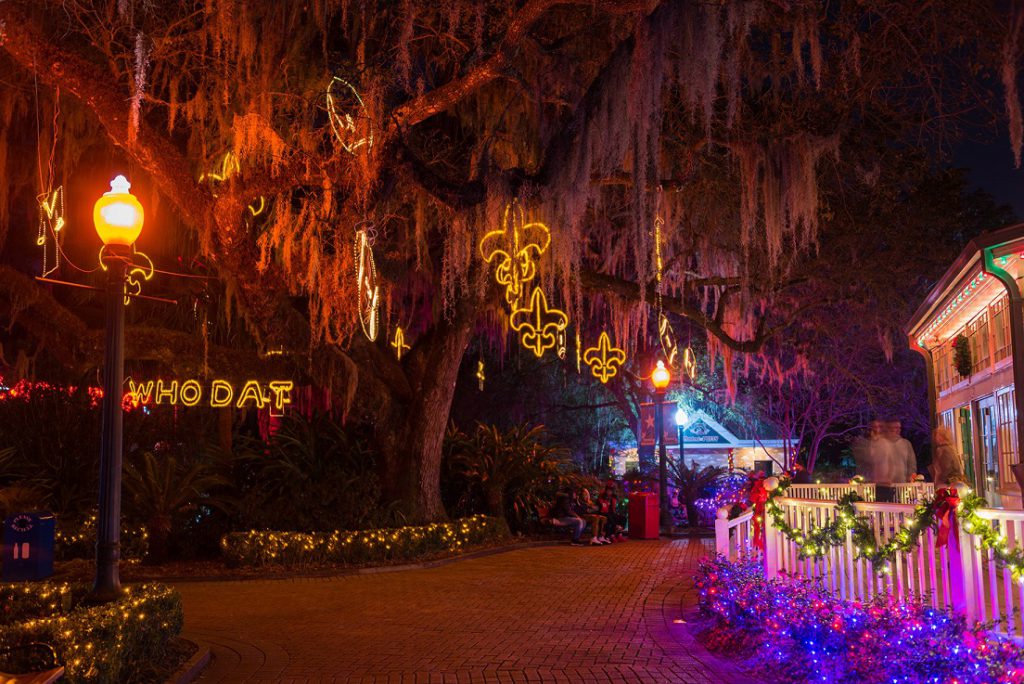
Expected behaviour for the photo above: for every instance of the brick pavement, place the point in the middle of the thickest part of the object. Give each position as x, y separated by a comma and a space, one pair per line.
546, 614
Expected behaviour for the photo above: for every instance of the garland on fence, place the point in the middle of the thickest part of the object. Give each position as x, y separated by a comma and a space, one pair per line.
939, 513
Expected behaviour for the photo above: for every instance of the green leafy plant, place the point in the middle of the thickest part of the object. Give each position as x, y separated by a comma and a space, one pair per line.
97, 644
962, 356
692, 483
161, 489
513, 472
376, 546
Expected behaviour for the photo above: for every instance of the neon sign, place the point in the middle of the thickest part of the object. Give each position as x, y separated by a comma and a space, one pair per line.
275, 394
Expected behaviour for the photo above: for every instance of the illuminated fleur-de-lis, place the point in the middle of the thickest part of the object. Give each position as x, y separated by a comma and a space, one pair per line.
51, 221
399, 343
139, 268
604, 359
538, 326
689, 363
516, 247
668, 339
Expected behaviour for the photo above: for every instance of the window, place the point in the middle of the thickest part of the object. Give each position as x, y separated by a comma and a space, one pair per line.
1007, 435
1000, 330
977, 337
943, 368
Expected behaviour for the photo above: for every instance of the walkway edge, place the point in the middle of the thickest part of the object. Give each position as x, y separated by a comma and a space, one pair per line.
195, 665
345, 572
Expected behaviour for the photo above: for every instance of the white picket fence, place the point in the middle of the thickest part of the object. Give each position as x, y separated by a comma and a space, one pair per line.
906, 492
959, 576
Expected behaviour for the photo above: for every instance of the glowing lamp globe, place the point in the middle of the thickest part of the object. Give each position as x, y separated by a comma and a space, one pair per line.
681, 417
660, 377
117, 215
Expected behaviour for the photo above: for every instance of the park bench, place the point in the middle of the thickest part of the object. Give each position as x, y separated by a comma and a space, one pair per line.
47, 676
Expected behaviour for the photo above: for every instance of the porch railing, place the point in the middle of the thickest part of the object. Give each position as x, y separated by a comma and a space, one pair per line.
906, 492
959, 576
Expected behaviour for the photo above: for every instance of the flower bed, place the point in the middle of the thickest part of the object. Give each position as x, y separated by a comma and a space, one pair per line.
96, 644
793, 630
361, 547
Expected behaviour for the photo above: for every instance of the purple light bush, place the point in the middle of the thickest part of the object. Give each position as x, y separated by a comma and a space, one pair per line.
794, 630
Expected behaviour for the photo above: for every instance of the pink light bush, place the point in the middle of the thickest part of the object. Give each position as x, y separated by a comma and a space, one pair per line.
793, 630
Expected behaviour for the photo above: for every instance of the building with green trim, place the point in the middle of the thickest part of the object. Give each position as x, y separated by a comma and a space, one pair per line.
970, 331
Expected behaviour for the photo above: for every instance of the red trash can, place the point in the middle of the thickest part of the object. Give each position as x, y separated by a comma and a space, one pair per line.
643, 515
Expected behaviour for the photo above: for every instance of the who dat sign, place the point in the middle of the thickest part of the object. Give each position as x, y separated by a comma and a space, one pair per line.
276, 394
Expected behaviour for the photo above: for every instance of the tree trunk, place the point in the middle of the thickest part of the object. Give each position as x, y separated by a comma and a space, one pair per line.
495, 495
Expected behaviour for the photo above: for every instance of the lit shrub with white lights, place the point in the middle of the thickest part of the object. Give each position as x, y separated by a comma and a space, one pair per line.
95, 643
365, 547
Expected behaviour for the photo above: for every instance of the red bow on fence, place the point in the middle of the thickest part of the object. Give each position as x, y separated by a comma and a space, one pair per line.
946, 501
758, 497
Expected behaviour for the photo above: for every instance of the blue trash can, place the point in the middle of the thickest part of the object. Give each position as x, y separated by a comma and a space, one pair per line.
28, 546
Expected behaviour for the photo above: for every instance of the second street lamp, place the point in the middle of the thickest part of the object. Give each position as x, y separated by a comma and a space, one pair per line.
660, 378
118, 217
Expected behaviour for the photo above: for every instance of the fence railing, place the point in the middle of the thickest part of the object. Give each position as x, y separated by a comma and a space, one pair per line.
959, 576
734, 538
904, 492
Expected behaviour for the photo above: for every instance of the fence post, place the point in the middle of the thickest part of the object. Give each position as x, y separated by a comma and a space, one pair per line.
960, 575
771, 547
722, 536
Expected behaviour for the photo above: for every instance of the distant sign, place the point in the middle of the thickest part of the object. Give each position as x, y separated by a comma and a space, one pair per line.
699, 432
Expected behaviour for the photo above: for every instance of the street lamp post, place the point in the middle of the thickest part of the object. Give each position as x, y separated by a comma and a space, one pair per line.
660, 378
118, 218
681, 418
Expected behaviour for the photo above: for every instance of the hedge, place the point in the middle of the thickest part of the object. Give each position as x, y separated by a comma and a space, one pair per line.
257, 548
98, 644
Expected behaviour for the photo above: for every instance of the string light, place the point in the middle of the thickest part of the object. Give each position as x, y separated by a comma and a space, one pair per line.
222, 393
953, 305
516, 246
480, 377
139, 269
689, 363
227, 167
51, 222
560, 349
258, 547
579, 352
668, 339
367, 289
538, 326
398, 343
343, 125
604, 359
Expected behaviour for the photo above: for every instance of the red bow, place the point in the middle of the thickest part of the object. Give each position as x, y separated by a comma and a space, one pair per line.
946, 501
758, 497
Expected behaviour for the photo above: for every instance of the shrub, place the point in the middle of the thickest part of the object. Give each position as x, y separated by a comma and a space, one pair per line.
78, 540
96, 644
357, 548
790, 627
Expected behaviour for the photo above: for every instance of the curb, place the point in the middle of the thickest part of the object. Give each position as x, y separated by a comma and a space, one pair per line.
345, 572
195, 665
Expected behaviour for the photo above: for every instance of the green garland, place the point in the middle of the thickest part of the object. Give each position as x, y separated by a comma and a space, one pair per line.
818, 540
989, 538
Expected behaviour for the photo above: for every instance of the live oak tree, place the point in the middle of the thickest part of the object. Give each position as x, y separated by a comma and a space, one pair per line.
274, 131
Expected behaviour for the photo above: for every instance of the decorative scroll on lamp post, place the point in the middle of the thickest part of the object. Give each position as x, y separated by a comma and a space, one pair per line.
660, 378
118, 218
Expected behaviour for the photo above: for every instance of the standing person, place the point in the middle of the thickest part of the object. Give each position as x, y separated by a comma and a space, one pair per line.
947, 464
904, 461
563, 515
870, 456
607, 505
585, 509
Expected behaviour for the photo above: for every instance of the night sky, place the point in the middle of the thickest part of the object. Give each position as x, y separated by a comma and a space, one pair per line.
990, 163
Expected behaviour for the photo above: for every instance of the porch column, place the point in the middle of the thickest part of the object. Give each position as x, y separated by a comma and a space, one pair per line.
1016, 307
929, 373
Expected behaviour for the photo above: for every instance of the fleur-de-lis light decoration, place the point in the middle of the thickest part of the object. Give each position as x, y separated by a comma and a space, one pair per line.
561, 345
398, 343
345, 128
228, 167
51, 221
367, 289
516, 246
604, 359
538, 326
480, 377
668, 339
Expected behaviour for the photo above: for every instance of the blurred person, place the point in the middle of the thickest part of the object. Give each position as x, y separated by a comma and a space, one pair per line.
902, 459
947, 463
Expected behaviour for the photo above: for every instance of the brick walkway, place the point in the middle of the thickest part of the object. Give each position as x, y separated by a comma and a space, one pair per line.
545, 614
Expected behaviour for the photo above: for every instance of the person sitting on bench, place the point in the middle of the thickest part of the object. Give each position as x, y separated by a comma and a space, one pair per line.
563, 515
